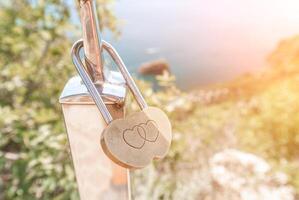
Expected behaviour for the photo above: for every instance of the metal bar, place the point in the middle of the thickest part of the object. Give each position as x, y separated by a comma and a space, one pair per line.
88, 82
91, 40
128, 78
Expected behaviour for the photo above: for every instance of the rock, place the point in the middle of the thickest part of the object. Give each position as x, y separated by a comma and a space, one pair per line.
156, 67
243, 176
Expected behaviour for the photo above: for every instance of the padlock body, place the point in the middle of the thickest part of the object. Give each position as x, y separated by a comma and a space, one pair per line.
135, 141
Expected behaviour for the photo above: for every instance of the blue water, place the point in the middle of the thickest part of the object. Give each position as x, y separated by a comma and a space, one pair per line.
205, 41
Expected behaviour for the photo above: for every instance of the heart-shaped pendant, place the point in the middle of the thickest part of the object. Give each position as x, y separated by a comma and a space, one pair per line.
135, 141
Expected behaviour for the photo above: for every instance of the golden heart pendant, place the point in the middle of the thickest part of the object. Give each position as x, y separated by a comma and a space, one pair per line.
135, 141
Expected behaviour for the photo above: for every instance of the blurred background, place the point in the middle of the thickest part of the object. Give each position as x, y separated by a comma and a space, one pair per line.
226, 72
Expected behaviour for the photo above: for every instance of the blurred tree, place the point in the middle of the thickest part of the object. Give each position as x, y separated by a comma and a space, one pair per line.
284, 60
35, 38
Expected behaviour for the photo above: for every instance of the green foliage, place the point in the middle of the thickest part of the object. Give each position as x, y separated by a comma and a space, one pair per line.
35, 161
36, 38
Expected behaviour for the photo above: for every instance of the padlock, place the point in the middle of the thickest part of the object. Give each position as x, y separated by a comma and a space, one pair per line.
135, 141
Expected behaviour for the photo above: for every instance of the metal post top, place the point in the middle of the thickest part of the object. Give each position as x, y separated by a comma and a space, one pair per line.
75, 92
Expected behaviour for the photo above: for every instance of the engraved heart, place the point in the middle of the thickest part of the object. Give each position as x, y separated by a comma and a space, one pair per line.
151, 131
134, 137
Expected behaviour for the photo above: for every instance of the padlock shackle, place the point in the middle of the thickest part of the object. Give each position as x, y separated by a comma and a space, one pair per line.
128, 78
75, 54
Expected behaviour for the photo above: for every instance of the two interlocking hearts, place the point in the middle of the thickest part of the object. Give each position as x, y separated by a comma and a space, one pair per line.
135, 141
137, 136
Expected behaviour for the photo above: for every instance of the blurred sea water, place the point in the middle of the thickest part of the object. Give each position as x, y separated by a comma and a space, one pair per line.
204, 41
